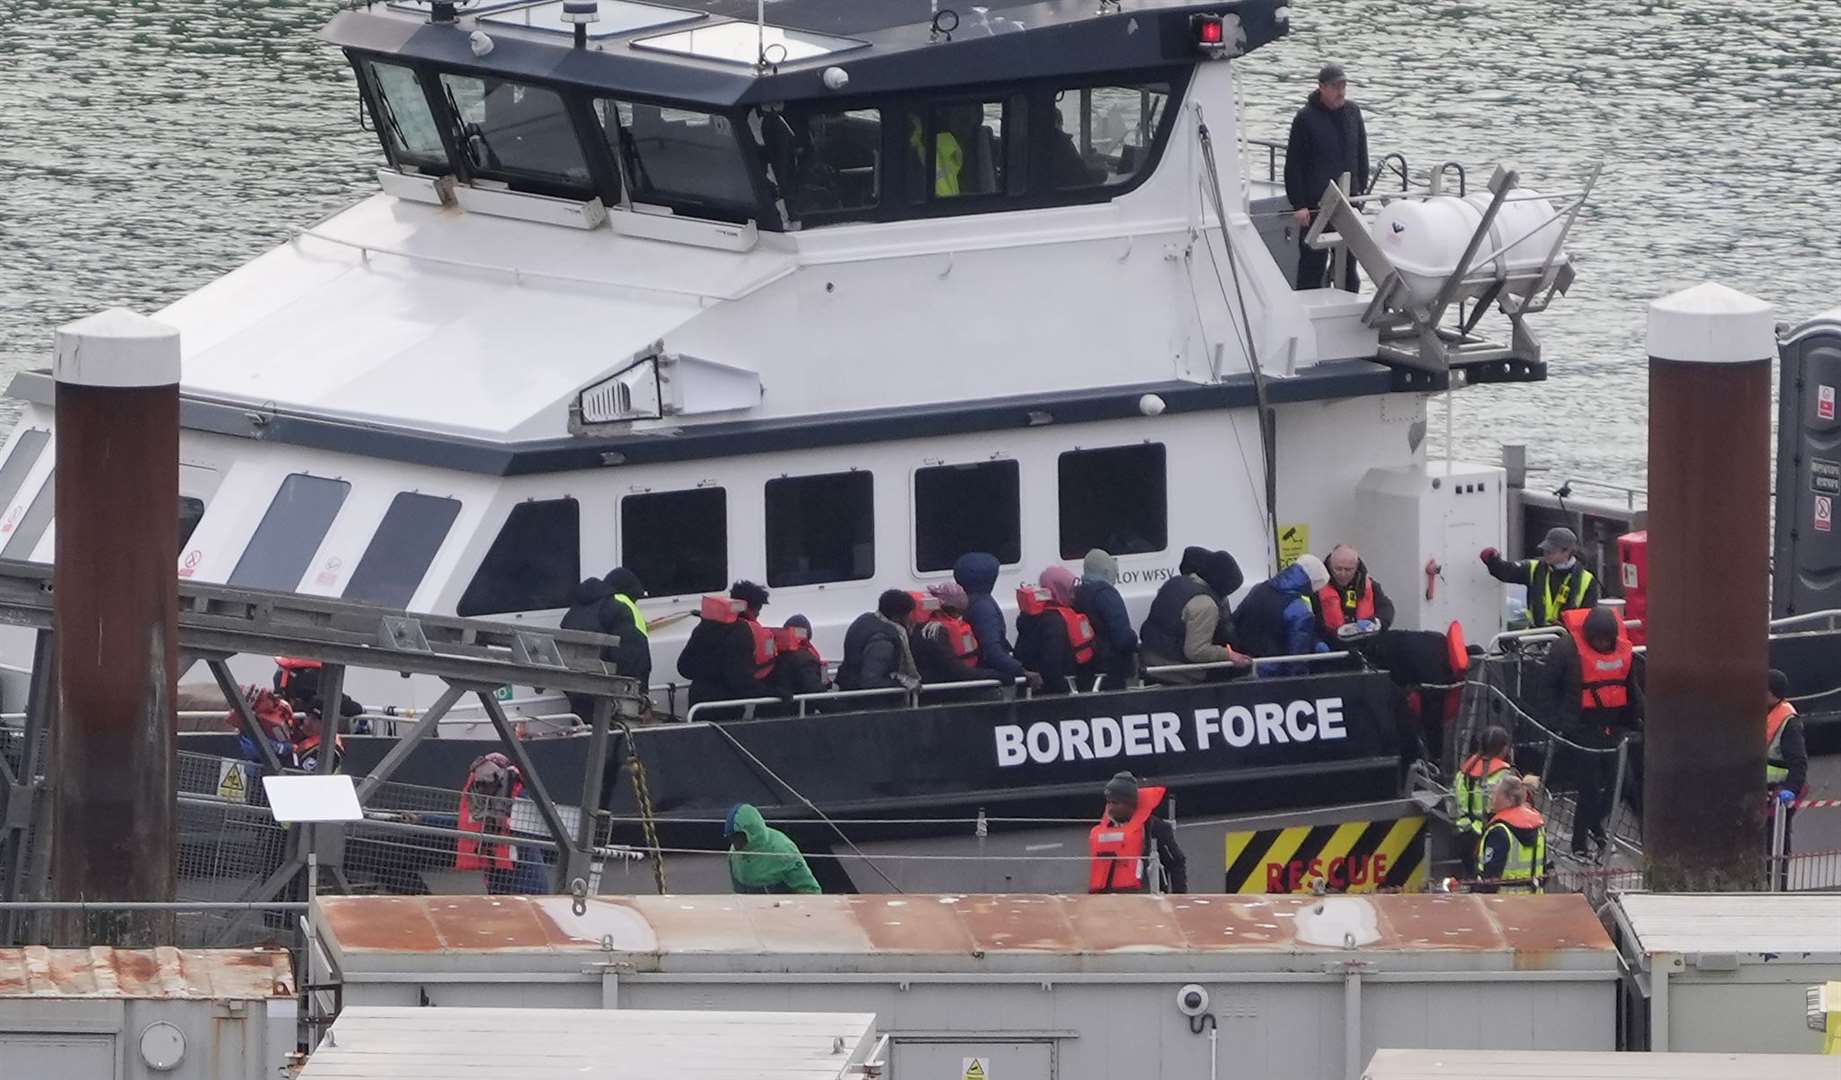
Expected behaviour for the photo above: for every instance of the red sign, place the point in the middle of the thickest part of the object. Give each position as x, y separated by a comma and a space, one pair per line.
1824, 513
1825, 403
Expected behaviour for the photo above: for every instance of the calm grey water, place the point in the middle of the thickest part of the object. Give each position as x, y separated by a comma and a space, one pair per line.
148, 146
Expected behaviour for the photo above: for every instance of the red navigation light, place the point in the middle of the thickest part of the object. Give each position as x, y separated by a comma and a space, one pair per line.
1208, 32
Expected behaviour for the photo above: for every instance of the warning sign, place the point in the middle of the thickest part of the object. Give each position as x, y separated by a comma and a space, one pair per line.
1293, 540
232, 785
975, 1069
1824, 403
1353, 857
1824, 513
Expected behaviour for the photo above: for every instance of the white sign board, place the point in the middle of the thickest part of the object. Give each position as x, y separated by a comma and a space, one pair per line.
313, 798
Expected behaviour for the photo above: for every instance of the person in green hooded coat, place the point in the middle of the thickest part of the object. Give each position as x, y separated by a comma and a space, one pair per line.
763, 859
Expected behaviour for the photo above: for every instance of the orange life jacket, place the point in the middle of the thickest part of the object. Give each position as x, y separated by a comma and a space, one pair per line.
1603, 676
291, 667
959, 637
1477, 768
1774, 721
1519, 817
1036, 600
1118, 849
468, 852
1457, 652
792, 639
725, 609
1333, 602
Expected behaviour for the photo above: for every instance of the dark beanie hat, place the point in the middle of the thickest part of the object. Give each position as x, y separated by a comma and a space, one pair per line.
1123, 787
1779, 684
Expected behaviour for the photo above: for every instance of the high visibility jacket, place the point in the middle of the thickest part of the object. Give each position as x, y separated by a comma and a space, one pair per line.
1774, 723
1336, 604
1475, 779
1548, 597
948, 158
1604, 677
959, 637
766, 647
1117, 848
638, 619
471, 854
1036, 600
1527, 865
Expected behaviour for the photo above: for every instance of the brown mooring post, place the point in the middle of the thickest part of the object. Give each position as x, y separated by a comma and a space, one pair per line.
1711, 356
113, 750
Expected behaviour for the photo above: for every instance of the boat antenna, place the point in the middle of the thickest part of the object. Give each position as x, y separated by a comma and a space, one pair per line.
760, 34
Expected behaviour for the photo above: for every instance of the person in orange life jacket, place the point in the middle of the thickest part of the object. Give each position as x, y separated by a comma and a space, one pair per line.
1592, 677
1786, 753
944, 647
1051, 637
1512, 856
1557, 581
298, 683
1115, 643
1120, 845
1473, 787
729, 654
976, 572
797, 666
877, 655
1352, 602
493, 784
1185, 624
1276, 618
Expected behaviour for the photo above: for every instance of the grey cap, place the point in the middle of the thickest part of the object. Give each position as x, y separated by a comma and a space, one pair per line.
1559, 537
1123, 787
1331, 73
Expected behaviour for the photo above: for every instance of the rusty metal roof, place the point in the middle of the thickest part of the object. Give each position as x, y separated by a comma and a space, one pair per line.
961, 932
102, 972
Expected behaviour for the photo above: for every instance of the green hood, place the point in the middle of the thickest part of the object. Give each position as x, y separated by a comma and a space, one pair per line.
771, 862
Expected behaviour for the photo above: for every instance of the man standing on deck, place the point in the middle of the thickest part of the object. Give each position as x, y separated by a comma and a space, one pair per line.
1130, 843
1786, 758
1557, 581
1328, 139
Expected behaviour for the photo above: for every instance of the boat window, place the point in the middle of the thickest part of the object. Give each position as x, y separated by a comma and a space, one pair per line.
13, 474
821, 528
290, 532
533, 564
677, 541
32, 525
393, 565
961, 508
409, 129
1103, 134
824, 162
513, 131
683, 159
191, 512
968, 148
1113, 499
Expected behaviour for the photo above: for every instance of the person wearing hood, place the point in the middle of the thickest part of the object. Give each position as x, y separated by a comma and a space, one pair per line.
1051, 637
1352, 603
1276, 618
797, 667
724, 659
1592, 679
945, 649
976, 573
762, 859
1328, 139
1184, 623
1115, 643
605, 606
877, 655
1557, 581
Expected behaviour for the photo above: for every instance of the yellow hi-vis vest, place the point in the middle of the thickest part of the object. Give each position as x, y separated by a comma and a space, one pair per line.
1527, 863
948, 159
1547, 604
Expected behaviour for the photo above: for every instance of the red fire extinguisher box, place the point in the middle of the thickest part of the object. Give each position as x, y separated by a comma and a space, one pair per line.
1633, 560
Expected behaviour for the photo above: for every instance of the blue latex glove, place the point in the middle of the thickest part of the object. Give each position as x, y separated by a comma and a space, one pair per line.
1785, 795
1369, 626
1322, 646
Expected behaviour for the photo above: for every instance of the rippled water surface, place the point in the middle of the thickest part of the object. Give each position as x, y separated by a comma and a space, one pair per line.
148, 146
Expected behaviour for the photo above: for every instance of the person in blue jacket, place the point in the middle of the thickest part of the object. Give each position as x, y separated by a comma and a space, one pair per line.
1115, 641
1276, 618
976, 573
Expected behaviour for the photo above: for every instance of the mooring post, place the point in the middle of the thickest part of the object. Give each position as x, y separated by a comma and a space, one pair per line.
116, 599
1710, 366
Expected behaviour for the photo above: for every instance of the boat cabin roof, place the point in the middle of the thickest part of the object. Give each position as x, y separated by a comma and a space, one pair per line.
706, 52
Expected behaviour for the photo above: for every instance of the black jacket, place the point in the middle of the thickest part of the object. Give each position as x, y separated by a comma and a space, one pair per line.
1324, 145
1560, 674
1115, 643
594, 609
1042, 645
1793, 754
937, 663
872, 656
1534, 574
799, 671
718, 659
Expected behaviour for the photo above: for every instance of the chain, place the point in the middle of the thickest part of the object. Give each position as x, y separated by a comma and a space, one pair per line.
642, 792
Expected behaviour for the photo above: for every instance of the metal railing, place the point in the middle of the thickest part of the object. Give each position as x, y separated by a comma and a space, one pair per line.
1253, 663
802, 702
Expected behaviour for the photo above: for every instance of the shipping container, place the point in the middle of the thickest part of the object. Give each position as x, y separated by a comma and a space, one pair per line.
1545, 1065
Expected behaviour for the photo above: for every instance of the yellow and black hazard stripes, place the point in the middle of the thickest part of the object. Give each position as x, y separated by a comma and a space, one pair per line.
1356, 856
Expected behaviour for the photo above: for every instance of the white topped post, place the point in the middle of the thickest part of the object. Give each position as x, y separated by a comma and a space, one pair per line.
1711, 354
116, 550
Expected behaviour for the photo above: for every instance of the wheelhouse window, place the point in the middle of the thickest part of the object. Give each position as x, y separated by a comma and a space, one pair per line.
398, 557
821, 528
30, 528
290, 532
964, 148
823, 162
533, 564
1104, 134
25, 454
1114, 499
677, 541
963, 508
516, 133
191, 512
683, 159
410, 133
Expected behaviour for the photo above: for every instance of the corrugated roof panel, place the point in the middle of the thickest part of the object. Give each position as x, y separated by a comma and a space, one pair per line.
1735, 922
1592, 1065
167, 973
